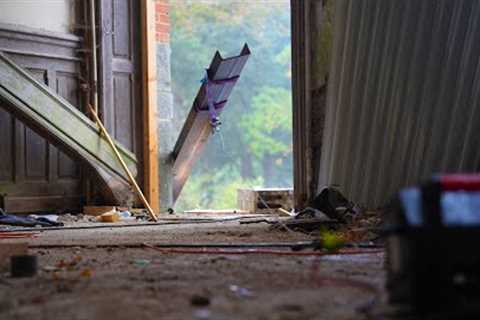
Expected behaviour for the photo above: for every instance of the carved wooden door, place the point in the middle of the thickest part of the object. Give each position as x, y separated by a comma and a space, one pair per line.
120, 77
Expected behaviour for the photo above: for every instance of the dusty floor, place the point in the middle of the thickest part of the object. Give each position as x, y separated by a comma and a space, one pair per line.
140, 283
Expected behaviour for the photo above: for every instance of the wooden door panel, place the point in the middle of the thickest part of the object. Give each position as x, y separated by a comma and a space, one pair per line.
120, 77
33, 173
6, 147
121, 37
67, 87
36, 156
36, 149
124, 111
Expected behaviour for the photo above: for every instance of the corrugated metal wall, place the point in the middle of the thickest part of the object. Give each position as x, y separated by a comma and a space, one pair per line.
403, 98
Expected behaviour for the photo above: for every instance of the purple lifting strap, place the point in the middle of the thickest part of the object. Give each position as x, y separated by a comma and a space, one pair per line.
212, 106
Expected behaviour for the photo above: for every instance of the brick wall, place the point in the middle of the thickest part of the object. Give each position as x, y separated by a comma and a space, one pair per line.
162, 21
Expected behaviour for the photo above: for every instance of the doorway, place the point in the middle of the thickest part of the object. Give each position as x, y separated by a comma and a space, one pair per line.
254, 145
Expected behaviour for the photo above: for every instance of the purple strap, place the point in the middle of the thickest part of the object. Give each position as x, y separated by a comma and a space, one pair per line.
212, 106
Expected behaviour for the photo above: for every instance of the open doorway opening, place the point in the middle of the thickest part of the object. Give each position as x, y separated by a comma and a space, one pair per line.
253, 147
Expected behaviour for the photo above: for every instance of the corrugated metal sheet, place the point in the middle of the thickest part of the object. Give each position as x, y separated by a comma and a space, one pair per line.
403, 98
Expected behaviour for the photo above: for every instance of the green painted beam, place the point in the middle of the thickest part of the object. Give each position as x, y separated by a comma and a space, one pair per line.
62, 124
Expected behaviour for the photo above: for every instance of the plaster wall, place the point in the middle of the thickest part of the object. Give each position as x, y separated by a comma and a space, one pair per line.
49, 15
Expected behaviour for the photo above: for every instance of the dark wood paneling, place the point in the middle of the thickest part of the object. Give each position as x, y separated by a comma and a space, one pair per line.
31, 42
34, 169
66, 127
67, 87
42, 203
36, 156
31, 169
36, 152
6, 147
120, 74
121, 15
124, 114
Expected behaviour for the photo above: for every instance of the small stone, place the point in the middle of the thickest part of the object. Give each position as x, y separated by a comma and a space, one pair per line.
199, 301
291, 307
7, 303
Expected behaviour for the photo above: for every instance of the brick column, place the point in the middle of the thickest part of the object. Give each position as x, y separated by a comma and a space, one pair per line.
164, 104
162, 20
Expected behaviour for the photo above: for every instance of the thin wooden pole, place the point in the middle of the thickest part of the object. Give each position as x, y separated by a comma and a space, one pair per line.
127, 171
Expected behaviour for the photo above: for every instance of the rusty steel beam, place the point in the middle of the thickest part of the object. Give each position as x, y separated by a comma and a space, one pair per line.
202, 120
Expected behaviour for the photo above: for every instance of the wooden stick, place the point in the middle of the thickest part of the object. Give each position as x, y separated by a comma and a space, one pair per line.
286, 212
127, 171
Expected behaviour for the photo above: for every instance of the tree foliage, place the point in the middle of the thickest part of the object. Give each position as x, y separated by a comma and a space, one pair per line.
254, 147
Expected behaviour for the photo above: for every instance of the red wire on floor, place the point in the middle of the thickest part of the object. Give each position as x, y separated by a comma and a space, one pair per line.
338, 282
344, 282
262, 251
318, 280
17, 235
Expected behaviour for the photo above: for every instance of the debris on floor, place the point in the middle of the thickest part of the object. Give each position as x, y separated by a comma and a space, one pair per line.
366, 226
122, 214
335, 205
29, 221
214, 284
90, 216
312, 213
141, 263
210, 212
52, 218
109, 217
329, 209
351, 223
69, 219
304, 224
97, 210
240, 291
265, 200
